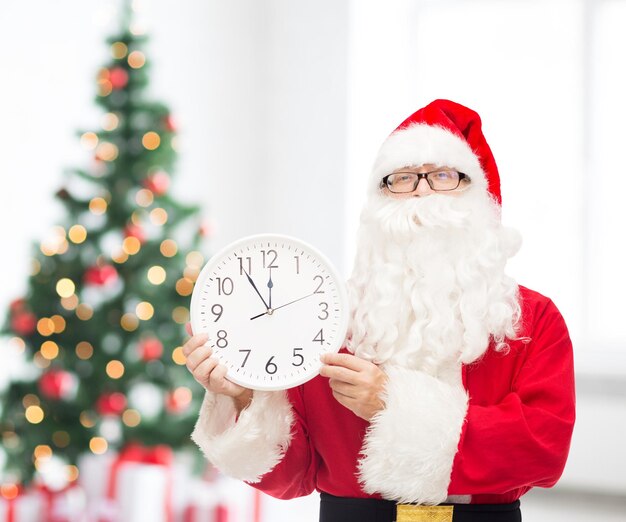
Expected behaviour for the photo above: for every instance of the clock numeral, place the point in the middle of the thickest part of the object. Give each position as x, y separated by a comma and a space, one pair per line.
324, 311
317, 290
297, 258
268, 254
245, 359
319, 337
298, 356
221, 342
225, 286
217, 310
270, 367
241, 270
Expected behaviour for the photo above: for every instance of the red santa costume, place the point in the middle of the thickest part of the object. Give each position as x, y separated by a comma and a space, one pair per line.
479, 403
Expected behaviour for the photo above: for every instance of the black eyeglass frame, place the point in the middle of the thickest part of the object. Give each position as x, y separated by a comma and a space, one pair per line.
420, 175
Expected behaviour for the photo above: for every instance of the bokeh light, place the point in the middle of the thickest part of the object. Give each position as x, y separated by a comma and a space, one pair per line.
144, 311
144, 198
131, 418
70, 303
84, 350
42, 452
98, 445
129, 322
180, 314
61, 439
87, 419
34, 414
169, 248
158, 216
107, 151
98, 206
136, 59
72, 473
59, 323
184, 286
35, 267
84, 312
40, 361
65, 287
30, 399
178, 356
110, 121
77, 234
156, 275
9, 491
151, 140
49, 350
45, 326
89, 140
131, 245
119, 50
194, 259
115, 369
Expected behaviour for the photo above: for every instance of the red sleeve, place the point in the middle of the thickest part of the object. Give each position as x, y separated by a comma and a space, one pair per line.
523, 440
295, 475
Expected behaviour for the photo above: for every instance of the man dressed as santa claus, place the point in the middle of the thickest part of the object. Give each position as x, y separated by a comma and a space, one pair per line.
455, 393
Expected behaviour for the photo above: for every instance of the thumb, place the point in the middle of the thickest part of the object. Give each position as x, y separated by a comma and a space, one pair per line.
188, 328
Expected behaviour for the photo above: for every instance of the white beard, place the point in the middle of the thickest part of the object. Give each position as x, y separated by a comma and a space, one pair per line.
428, 287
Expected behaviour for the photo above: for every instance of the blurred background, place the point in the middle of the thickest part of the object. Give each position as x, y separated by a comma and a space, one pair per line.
280, 107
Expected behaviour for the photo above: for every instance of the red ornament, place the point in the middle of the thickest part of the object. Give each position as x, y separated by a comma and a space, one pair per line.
150, 349
178, 400
17, 305
111, 403
135, 231
58, 384
207, 229
118, 77
170, 123
157, 183
23, 323
100, 275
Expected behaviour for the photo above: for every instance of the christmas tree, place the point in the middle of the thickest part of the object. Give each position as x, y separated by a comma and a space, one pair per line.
102, 322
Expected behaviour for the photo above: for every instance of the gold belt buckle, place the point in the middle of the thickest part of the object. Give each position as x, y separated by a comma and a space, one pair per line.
413, 513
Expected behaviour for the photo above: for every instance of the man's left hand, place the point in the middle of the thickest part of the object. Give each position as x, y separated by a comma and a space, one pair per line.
357, 384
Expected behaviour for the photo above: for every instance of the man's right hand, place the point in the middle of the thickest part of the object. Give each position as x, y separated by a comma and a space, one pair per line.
209, 373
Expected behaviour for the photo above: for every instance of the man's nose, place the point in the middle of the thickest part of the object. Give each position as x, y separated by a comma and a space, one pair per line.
423, 188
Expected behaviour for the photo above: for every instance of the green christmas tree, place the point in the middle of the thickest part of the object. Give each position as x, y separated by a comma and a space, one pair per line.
102, 322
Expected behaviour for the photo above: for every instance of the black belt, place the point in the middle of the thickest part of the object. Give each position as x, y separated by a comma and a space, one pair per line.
341, 509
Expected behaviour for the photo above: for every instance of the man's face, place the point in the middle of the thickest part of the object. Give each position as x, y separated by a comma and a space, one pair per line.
423, 188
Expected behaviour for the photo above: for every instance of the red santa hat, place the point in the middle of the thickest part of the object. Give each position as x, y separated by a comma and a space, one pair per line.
444, 133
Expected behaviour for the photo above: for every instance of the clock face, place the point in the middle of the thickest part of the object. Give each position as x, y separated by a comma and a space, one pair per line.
272, 305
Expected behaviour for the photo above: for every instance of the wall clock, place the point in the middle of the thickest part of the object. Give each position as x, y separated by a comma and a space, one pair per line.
272, 305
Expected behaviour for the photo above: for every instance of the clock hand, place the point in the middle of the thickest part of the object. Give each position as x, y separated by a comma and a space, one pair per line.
270, 285
294, 301
281, 306
256, 289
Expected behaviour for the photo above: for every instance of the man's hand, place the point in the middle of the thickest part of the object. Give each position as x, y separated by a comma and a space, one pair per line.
209, 373
357, 384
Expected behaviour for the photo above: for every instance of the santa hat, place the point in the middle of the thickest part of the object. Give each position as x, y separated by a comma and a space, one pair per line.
444, 133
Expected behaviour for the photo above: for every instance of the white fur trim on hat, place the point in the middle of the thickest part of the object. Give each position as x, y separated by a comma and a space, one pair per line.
251, 446
420, 144
410, 445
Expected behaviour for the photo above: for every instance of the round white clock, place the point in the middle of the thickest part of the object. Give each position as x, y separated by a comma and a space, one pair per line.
272, 305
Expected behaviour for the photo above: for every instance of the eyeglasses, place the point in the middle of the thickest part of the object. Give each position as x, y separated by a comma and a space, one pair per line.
438, 180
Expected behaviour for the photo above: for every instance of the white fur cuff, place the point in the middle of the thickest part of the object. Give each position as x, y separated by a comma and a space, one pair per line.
410, 445
250, 447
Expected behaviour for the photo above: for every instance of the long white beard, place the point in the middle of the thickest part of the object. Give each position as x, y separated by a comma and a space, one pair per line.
428, 285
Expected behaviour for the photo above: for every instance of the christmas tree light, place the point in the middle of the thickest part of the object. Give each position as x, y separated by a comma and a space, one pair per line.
101, 324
